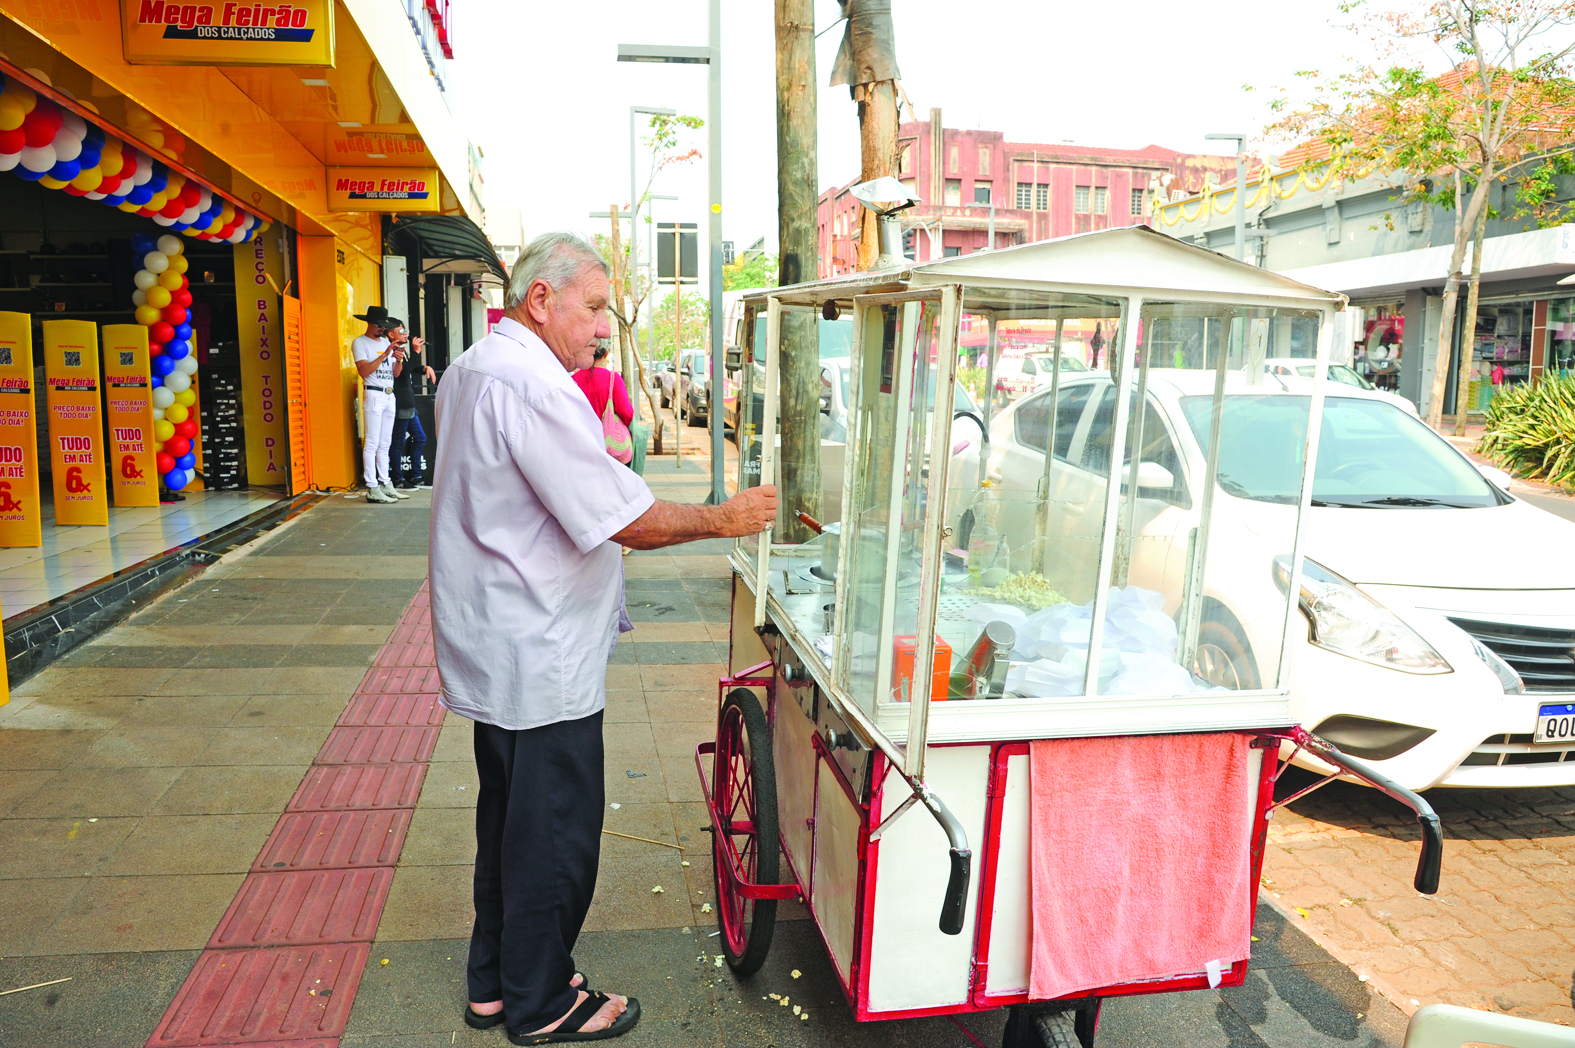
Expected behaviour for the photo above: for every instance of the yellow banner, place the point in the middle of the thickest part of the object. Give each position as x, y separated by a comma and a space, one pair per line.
21, 521
375, 145
75, 429
168, 32
129, 412
385, 189
262, 351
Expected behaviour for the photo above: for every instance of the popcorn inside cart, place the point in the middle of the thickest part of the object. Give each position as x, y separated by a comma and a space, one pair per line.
1007, 683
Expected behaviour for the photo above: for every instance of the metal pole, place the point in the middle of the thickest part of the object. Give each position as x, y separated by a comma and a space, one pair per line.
714, 180
991, 245
678, 341
634, 253
1241, 198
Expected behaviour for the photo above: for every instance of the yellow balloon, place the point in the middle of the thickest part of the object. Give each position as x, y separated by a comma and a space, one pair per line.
176, 413
12, 113
214, 226
154, 139
129, 207
147, 315
170, 278
157, 296
163, 429
22, 93
158, 445
187, 396
178, 265
89, 180
52, 183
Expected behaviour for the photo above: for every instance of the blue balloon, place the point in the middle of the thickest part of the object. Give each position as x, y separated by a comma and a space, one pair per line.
139, 195
183, 332
176, 479
176, 348
23, 173
142, 243
186, 461
156, 381
95, 135
160, 179
162, 364
89, 156
65, 170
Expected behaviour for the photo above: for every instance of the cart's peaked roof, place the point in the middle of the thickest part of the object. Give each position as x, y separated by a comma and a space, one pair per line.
1127, 260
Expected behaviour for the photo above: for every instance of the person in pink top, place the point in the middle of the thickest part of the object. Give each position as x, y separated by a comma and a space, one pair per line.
599, 383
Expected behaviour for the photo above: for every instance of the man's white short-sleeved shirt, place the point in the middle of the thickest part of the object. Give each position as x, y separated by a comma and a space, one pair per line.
527, 591
364, 348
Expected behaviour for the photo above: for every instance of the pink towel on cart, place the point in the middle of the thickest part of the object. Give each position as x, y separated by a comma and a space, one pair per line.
1141, 853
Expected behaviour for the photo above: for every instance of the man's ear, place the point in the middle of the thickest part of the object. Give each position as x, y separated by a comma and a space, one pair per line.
538, 301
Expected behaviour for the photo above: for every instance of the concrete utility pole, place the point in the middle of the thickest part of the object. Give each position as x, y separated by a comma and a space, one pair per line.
798, 370
867, 63
1241, 189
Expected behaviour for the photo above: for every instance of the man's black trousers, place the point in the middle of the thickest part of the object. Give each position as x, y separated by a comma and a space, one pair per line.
538, 841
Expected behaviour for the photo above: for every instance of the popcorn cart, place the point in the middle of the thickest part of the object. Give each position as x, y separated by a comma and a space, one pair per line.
1007, 689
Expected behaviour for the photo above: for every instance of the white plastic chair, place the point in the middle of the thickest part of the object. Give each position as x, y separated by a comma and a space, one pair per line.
1447, 1026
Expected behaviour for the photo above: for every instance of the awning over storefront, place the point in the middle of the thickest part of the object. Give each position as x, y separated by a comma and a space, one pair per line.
1517, 256
447, 244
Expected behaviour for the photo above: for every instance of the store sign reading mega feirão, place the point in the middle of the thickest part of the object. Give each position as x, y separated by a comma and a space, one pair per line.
297, 34
382, 189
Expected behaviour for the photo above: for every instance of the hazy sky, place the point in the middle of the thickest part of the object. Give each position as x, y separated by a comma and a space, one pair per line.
544, 97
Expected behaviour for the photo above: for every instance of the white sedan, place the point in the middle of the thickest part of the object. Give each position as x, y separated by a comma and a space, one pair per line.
1439, 610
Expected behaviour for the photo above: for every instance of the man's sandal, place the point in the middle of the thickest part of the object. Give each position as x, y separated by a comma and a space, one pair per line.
569, 1029
476, 1021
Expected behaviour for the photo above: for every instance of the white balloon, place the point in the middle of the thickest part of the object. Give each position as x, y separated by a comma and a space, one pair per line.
40, 75
187, 364
95, 195
144, 170
158, 413
163, 220
177, 381
162, 398
145, 279
170, 244
73, 125
67, 148
139, 297
155, 261
187, 216
9, 161
38, 158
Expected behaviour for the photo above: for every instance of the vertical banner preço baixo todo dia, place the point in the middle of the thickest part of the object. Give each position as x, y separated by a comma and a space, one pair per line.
257, 312
21, 516
76, 430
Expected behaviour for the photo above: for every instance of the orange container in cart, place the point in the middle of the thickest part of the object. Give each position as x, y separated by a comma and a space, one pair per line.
902, 668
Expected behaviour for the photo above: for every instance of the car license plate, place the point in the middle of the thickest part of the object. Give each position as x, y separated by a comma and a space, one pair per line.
1555, 725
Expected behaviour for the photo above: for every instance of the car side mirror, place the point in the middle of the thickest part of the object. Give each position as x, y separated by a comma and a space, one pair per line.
735, 358
1496, 477
825, 403
1155, 477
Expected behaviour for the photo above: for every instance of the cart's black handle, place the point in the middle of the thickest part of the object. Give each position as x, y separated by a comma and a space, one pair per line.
955, 906
1430, 865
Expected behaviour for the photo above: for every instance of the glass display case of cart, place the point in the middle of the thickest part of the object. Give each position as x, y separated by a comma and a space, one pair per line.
1111, 552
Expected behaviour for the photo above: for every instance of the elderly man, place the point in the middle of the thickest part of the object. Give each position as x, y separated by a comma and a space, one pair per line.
528, 513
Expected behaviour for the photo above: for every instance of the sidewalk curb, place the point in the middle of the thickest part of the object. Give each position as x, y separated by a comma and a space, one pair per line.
1405, 1003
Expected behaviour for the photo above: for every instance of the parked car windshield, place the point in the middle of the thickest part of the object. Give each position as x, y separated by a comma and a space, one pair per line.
1338, 373
1370, 454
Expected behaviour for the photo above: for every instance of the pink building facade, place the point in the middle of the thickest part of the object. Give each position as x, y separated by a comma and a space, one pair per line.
1040, 191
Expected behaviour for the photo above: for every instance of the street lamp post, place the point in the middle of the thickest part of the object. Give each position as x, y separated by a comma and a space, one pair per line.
711, 57
1241, 188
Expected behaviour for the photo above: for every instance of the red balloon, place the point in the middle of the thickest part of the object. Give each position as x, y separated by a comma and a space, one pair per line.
155, 349
147, 212
190, 195
185, 282
172, 209
165, 462
181, 298
174, 314
38, 128
161, 332
177, 446
74, 191
50, 111
13, 141
188, 429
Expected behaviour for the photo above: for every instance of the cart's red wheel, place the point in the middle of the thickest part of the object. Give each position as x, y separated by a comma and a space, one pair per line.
744, 789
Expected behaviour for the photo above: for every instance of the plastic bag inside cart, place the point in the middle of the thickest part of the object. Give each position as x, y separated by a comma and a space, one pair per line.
1012, 667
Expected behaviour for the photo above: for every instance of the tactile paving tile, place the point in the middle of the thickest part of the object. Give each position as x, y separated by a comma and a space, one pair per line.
419, 614
410, 633
296, 996
323, 840
406, 655
377, 745
305, 908
411, 711
338, 787
415, 680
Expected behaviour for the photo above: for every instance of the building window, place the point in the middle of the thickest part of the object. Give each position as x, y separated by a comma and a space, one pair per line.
911, 186
951, 252
981, 192
1025, 196
1136, 206
953, 194
1041, 198
984, 161
953, 165
907, 159
1101, 200
1080, 200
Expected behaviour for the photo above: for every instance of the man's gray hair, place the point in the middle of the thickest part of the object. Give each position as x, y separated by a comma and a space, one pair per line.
557, 258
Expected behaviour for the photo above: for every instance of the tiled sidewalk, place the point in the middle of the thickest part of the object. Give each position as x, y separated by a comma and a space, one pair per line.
150, 788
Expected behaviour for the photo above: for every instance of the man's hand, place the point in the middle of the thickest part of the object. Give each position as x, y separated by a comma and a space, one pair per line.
431, 375
749, 512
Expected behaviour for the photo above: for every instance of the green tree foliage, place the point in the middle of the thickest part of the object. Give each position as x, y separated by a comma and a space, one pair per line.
759, 270
696, 317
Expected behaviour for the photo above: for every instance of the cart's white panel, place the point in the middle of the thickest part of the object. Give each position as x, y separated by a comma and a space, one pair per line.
912, 963
1010, 929
794, 752
745, 648
835, 881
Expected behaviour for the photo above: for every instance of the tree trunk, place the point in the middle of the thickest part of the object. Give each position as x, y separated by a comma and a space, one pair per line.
1468, 332
1446, 323
878, 147
621, 293
798, 369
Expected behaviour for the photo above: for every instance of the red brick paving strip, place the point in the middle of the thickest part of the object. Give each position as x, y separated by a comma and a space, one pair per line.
282, 968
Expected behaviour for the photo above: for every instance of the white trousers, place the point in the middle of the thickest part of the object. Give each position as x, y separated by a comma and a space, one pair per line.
378, 411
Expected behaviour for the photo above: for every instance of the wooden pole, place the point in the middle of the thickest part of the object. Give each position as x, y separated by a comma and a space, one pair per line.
622, 293
798, 372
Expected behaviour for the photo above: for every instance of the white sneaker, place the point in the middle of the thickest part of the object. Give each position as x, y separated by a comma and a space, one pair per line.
394, 493
377, 495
